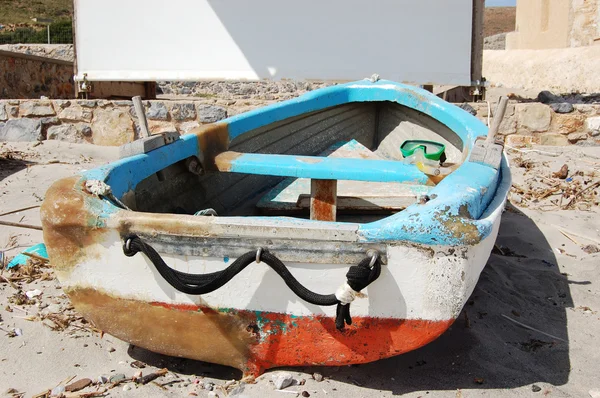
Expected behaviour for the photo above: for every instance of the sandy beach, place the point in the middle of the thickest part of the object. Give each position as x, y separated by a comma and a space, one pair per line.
543, 274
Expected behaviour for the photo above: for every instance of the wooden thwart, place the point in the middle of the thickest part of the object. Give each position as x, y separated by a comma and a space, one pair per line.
365, 202
293, 195
322, 168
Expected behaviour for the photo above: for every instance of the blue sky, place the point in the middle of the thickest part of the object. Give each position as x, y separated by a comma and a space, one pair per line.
500, 3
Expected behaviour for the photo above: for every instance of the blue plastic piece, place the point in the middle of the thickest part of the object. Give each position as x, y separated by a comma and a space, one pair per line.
21, 259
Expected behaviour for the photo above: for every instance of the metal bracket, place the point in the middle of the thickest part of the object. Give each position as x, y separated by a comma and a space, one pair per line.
478, 89
84, 85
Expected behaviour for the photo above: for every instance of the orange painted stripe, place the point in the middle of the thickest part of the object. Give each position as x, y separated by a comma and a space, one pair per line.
286, 340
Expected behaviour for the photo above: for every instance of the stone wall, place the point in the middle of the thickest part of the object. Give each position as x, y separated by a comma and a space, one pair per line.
104, 122
554, 124
99, 122
64, 52
240, 90
585, 23
31, 76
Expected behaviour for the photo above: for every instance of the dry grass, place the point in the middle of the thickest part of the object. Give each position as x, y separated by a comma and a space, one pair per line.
21, 11
499, 20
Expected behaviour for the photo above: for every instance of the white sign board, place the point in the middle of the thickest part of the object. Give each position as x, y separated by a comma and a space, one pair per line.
419, 41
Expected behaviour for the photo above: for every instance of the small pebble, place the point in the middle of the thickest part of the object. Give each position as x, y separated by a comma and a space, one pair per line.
102, 379
117, 378
282, 380
58, 390
209, 386
318, 376
536, 388
33, 293
305, 394
53, 308
78, 385
138, 364
111, 349
126, 387
229, 383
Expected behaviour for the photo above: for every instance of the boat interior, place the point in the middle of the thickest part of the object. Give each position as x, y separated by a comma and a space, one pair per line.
361, 130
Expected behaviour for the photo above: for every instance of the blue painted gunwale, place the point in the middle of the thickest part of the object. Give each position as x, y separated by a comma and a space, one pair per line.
470, 187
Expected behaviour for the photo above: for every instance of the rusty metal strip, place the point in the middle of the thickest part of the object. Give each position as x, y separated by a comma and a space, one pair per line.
306, 251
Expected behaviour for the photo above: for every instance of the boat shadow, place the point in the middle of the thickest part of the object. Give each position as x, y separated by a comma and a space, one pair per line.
486, 348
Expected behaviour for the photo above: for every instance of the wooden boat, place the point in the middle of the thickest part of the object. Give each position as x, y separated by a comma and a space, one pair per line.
253, 235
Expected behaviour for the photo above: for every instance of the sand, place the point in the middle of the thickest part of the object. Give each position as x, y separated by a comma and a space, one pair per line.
484, 354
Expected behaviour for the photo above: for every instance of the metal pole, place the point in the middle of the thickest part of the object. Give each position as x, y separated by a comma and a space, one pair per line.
48, 33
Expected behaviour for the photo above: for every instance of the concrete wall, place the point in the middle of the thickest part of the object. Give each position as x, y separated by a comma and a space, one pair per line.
31, 76
104, 122
543, 24
540, 24
564, 70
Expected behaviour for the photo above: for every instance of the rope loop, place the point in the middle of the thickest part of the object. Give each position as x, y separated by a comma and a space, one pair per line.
358, 277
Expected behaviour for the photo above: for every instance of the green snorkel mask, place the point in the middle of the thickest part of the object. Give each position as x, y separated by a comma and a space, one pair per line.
431, 150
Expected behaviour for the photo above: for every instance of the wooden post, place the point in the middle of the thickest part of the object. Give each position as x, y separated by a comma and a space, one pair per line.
477, 40
141, 115
323, 200
498, 116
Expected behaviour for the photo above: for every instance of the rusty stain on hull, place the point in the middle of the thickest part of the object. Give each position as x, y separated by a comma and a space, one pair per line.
213, 139
201, 334
251, 341
69, 227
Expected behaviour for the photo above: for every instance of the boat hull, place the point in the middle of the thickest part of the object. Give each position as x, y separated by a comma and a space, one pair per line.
254, 322
432, 252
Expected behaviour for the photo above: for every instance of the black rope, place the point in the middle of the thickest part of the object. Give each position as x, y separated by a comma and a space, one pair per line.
358, 276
